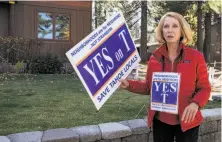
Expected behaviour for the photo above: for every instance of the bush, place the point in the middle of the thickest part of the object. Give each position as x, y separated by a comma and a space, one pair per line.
48, 64
16, 49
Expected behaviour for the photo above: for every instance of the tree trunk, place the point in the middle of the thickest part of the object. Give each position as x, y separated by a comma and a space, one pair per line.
213, 43
143, 37
199, 27
96, 14
207, 39
218, 44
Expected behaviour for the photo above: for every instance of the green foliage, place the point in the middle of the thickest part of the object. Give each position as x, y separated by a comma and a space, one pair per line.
215, 6
130, 10
157, 11
179, 6
205, 7
101, 8
14, 49
18, 66
48, 64
191, 18
212, 5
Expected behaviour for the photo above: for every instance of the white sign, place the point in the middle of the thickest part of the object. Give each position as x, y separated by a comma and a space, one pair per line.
164, 92
105, 56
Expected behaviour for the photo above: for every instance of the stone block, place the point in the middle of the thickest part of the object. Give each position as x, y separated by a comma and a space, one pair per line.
149, 129
113, 140
151, 137
207, 138
125, 123
145, 119
88, 133
217, 137
199, 139
208, 127
218, 110
136, 138
4, 139
114, 130
60, 135
138, 126
211, 114
219, 125
35, 136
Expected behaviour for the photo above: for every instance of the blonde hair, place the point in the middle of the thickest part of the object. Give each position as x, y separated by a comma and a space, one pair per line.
186, 32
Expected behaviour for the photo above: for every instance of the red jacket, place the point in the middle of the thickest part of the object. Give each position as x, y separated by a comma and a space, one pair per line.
194, 87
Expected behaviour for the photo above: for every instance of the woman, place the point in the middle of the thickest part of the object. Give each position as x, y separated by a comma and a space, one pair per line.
174, 56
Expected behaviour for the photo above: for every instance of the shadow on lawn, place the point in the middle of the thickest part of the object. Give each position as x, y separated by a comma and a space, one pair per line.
13, 105
28, 94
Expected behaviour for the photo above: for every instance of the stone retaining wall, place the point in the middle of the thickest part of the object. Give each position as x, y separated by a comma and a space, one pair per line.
124, 131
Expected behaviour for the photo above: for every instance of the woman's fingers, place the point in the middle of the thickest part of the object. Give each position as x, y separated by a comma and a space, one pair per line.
124, 84
184, 114
194, 114
189, 114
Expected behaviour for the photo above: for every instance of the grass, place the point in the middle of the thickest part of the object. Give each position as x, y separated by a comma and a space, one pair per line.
41, 102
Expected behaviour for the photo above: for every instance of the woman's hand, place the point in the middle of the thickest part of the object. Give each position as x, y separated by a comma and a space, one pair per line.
124, 84
190, 112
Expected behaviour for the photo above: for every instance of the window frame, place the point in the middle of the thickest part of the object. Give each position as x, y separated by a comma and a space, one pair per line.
54, 14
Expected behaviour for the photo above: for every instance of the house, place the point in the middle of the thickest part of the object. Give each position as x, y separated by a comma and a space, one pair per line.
60, 25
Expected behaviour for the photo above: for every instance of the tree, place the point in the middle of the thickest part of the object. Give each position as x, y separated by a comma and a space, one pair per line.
143, 37
199, 26
207, 39
130, 10
215, 6
211, 9
179, 6
100, 13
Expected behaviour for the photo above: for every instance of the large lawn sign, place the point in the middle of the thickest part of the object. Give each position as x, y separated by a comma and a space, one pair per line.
105, 56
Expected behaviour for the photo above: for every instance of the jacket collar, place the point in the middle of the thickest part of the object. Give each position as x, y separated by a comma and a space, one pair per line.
162, 52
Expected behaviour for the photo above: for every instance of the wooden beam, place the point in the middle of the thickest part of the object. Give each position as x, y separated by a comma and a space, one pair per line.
11, 19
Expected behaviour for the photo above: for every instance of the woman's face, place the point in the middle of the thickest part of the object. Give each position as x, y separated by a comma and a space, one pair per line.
171, 30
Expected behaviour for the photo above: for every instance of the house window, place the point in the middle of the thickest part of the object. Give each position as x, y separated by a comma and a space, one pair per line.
45, 26
53, 26
62, 27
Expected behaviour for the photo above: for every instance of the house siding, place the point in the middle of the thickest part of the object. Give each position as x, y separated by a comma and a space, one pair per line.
4, 14
25, 22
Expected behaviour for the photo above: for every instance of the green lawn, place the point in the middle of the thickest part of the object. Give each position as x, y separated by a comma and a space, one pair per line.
40, 102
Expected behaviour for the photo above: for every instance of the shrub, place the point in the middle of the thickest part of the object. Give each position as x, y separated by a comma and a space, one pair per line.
48, 64
15, 49
19, 66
